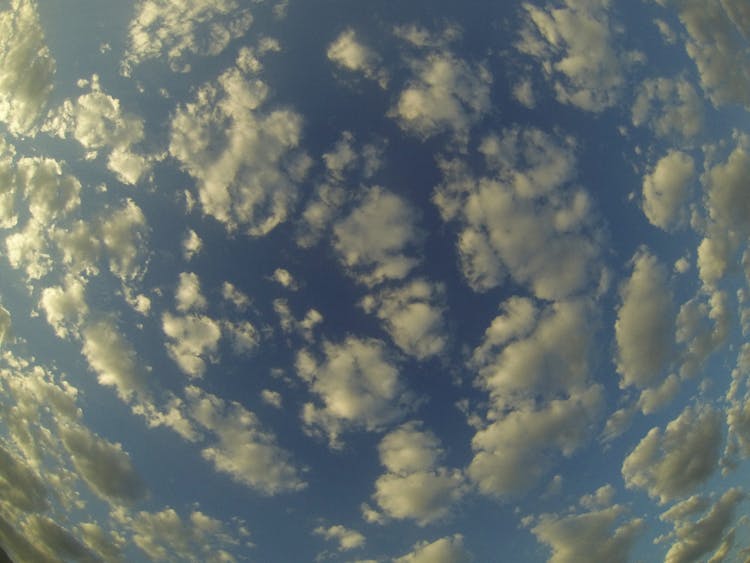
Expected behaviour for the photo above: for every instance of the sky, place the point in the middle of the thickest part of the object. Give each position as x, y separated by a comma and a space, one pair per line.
411, 282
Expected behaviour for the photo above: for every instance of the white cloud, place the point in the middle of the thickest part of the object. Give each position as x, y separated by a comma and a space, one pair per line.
244, 451
378, 239
285, 279
666, 189
272, 398
8, 187
5, 324
250, 183
523, 92
575, 46
703, 324
188, 296
346, 538
645, 321
104, 466
717, 43
414, 486
588, 537
65, 307
124, 234
79, 244
27, 68
193, 339
413, 316
28, 249
243, 336
175, 29
670, 107
696, 539
359, 386
192, 244
524, 219
348, 52
449, 549
445, 94
20, 485
49, 192
671, 463
236, 297
653, 398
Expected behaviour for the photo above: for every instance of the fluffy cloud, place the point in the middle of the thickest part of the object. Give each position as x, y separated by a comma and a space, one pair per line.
27, 68
250, 183
193, 339
124, 234
668, 464
8, 188
666, 189
358, 384
97, 122
445, 94
346, 538
670, 107
20, 485
717, 42
414, 486
191, 244
695, 539
449, 549
413, 316
645, 321
175, 29
65, 307
523, 219
28, 249
349, 53
575, 46
188, 296
285, 279
103, 465
244, 451
377, 240
588, 537
5, 324
703, 324
49, 191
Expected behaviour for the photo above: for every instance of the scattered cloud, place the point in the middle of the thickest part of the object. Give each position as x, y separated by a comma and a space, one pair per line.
192, 340
346, 538
27, 68
192, 244
449, 549
188, 296
666, 190
285, 279
348, 52
670, 463
669, 107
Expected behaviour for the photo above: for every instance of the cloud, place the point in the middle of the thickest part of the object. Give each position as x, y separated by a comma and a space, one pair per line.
703, 324
9, 189
358, 384
717, 43
695, 539
97, 122
645, 321
588, 537
243, 336
79, 246
272, 398
285, 279
124, 233
236, 297
575, 46
378, 239
65, 307
524, 219
414, 486
192, 339
668, 464
47, 534
346, 538
20, 486
5, 324
445, 94
27, 68
244, 159
666, 190
104, 466
449, 549
176, 29
349, 53
669, 107
244, 451
192, 244
413, 315
188, 296
49, 192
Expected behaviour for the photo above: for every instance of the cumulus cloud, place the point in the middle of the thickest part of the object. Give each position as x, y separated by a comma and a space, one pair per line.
696, 539
176, 29
346, 538
670, 107
378, 239
285, 279
588, 537
703, 324
27, 68
235, 296
415, 486
250, 182
28, 249
717, 43
575, 44
124, 233
20, 485
243, 450
666, 189
65, 307
645, 321
445, 93
5, 324
348, 52
413, 315
524, 219
449, 549
49, 191
192, 244
358, 384
105, 467
188, 296
668, 464
192, 340
8, 187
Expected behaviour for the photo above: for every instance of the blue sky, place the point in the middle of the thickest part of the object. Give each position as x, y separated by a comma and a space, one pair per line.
307, 281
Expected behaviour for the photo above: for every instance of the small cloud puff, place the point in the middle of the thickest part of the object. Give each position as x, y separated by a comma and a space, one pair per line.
449, 549
348, 52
